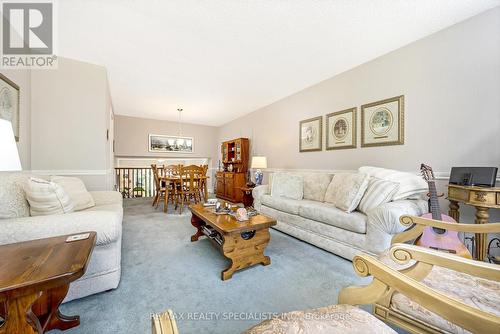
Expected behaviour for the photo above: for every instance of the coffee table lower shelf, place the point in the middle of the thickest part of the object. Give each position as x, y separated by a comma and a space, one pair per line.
242, 251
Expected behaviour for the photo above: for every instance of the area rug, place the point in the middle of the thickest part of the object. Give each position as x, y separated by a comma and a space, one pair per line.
162, 269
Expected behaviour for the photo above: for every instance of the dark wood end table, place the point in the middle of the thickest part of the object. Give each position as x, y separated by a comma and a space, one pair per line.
243, 243
34, 279
247, 196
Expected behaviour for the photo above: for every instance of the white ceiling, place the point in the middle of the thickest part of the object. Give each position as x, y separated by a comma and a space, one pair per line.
221, 59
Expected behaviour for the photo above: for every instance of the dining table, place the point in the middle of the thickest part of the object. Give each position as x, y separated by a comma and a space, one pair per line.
172, 179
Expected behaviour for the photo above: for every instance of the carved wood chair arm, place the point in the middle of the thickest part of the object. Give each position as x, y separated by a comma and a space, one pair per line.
420, 223
449, 308
403, 253
471, 228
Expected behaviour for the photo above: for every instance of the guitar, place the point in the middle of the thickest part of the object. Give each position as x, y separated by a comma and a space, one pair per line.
437, 238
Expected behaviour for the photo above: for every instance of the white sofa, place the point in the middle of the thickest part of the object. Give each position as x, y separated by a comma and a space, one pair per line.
327, 227
104, 270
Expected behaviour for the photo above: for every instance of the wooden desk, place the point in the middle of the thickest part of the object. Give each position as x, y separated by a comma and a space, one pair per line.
34, 279
482, 199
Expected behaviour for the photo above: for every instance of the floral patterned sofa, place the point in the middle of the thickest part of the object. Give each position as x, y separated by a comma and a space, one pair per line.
299, 202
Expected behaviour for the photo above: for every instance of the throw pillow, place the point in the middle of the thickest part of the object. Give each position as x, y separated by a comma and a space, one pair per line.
315, 185
76, 190
287, 185
377, 193
13, 202
346, 190
410, 185
46, 198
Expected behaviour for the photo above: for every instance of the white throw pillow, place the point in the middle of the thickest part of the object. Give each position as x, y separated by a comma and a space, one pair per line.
46, 198
346, 190
410, 185
378, 192
13, 202
76, 190
287, 185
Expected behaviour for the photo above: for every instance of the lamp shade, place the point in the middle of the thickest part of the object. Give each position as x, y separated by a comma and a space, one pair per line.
9, 157
259, 162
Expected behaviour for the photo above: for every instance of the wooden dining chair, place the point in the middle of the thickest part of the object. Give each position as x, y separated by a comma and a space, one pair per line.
171, 172
189, 185
203, 182
160, 189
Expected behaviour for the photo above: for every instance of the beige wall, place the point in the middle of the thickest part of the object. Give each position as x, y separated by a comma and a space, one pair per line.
131, 138
23, 79
70, 110
451, 83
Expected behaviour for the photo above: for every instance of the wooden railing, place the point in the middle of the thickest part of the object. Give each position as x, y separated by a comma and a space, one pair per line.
138, 181
135, 181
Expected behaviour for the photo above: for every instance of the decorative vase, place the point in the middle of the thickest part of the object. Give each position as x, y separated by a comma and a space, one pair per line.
258, 177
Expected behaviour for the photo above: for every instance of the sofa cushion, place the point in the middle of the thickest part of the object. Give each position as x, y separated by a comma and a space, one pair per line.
287, 185
46, 198
315, 185
474, 291
328, 214
107, 224
281, 203
333, 319
106, 197
13, 202
346, 190
410, 185
377, 193
76, 191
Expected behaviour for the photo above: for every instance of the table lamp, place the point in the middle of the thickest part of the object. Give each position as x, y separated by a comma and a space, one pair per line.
9, 157
258, 163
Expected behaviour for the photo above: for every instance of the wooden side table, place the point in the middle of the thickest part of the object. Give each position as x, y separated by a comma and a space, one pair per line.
247, 196
34, 279
483, 199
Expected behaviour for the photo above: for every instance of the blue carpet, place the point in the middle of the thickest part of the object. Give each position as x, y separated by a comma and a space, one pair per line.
162, 269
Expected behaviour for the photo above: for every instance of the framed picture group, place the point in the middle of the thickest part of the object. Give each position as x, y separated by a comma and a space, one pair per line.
382, 123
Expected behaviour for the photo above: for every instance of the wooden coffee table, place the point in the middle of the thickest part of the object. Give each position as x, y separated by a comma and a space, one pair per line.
243, 243
34, 279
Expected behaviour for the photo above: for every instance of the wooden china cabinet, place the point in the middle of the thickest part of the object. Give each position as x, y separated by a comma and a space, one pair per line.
233, 177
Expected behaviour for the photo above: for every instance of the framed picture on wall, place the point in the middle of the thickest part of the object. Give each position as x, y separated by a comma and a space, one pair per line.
9, 103
341, 129
171, 144
382, 122
310, 134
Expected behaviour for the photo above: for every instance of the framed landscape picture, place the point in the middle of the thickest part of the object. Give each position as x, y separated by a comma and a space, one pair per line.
341, 129
382, 122
9, 103
171, 144
310, 134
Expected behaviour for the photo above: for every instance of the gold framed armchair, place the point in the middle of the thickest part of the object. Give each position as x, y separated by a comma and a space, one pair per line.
426, 291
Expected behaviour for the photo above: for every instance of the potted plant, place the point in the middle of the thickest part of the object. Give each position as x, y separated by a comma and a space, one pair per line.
138, 191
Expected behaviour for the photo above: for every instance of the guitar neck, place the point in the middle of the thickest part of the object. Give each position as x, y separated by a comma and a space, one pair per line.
434, 202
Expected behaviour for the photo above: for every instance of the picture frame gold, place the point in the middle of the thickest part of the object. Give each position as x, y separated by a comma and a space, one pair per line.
341, 129
10, 103
311, 134
382, 122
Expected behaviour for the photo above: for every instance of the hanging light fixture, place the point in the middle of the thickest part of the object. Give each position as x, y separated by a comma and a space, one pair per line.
180, 121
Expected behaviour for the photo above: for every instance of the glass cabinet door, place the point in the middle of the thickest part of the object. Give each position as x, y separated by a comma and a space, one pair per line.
238, 151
